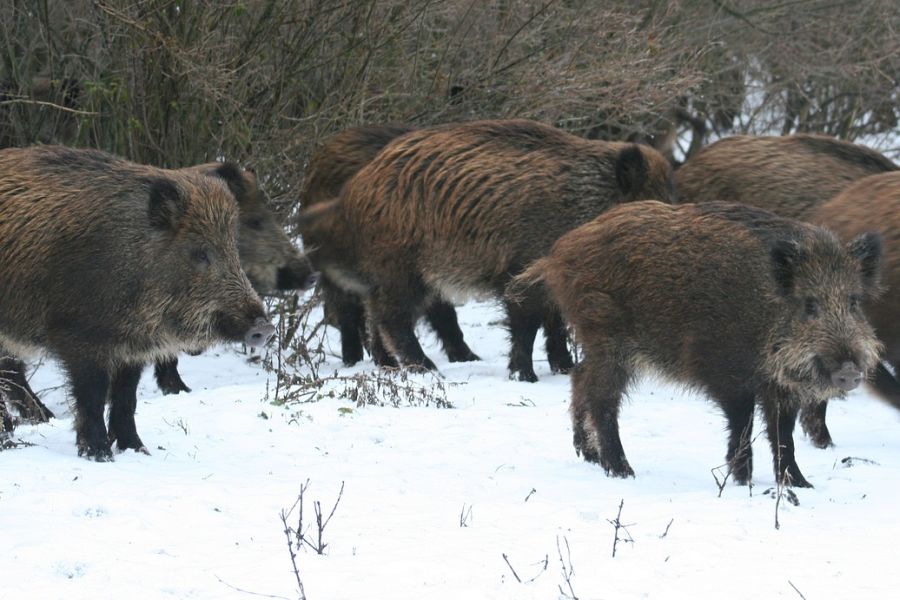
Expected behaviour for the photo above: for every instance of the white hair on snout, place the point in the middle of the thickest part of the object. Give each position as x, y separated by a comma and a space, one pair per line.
793, 358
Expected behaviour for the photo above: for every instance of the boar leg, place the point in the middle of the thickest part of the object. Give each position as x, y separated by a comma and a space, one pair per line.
442, 317
738, 408
523, 323
6, 422
812, 420
90, 386
381, 356
598, 383
351, 321
780, 414
20, 394
168, 379
392, 318
886, 385
123, 405
557, 342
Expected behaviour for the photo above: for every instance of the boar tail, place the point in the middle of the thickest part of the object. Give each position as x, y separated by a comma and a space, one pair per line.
533, 275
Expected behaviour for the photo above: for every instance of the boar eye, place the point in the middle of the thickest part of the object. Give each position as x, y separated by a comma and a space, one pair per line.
254, 223
811, 308
200, 257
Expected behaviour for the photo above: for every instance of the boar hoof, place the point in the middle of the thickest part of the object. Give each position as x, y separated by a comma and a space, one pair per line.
423, 367
463, 354
821, 439
618, 467
135, 444
524, 375
173, 385
561, 364
352, 356
794, 478
384, 361
96, 452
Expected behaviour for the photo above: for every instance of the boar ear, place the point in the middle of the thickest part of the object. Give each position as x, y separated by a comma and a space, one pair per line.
785, 255
166, 205
631, 170
867, 249
235, 178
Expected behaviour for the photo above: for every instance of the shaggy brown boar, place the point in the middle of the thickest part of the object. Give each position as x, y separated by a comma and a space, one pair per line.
109, 265
871, 204
729, 299
271, 262
789, 175
339, 159
460, 209
268, 257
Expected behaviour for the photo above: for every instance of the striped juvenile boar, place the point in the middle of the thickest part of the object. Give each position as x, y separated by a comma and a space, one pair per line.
458, 210
728, 299
109, 265
329, 169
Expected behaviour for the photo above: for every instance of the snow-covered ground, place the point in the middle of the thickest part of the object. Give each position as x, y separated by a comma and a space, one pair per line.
200, 517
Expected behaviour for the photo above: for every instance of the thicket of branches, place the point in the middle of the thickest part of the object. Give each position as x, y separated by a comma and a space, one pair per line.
173, 83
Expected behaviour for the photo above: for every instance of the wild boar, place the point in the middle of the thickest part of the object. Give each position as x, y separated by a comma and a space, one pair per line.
458, 210
330, 168
108, 265
268, 257
871, 204
731, 300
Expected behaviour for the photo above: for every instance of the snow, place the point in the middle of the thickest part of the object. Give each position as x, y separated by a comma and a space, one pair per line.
199, 518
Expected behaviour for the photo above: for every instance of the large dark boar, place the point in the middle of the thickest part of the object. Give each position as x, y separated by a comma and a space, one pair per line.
339, 159
728, 299
871, 204
268, 257
458, 210
272, 264
789, 175
109, 265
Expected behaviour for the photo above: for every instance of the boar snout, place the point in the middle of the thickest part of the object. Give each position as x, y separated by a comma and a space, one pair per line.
260, 333
296, 276
847, 377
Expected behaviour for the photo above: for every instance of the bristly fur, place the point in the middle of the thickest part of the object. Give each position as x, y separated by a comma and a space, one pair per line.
693, 292
339, 159
871, 205
789, 175
795, 176
466, 207
108, 265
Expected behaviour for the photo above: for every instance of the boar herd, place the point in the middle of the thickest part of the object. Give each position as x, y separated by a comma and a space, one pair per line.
759, 272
